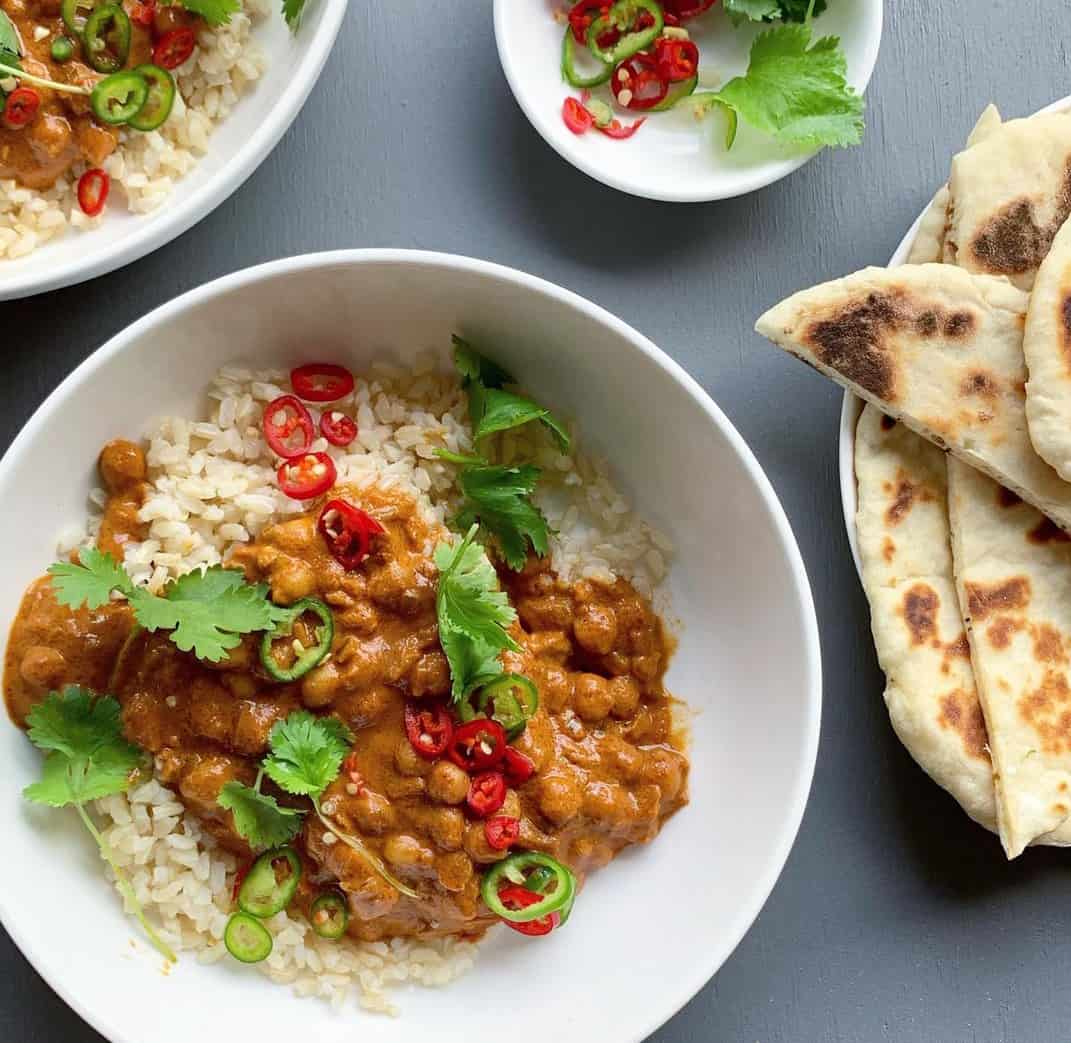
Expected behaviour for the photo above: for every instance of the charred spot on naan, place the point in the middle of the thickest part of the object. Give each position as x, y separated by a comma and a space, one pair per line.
1006, 498
853, 341
986, 599
1064, 322
1048, 644
888, 550
980, 383
887, 422
961, 711
921, 604
1047, 531
1048, 710
904, 494
999, 632
1013, 241
958, 649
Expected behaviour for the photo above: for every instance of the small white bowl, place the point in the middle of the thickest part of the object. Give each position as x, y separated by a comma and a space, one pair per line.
852, 406
239, 144
671, 158
652, 927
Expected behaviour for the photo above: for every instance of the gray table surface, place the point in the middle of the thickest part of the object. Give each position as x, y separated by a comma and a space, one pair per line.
896, 918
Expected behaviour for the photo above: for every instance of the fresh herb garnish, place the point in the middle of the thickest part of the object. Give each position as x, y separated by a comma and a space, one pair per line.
493, 409
10, 49
796, 92
207, 612
292, 12
258, 818
473, 614
215, 12
87, 758
306, 757
769, 10
499, 499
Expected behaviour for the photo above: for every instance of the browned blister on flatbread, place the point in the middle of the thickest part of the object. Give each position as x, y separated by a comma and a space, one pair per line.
1014, 586
906, 561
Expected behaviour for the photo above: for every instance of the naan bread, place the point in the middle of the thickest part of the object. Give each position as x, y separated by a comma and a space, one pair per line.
1013, 576
937, 348
906, 557
928, 245
1011, 193
1047, 347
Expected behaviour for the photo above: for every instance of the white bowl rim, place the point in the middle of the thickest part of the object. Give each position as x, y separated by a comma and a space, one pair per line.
687, 985
159, 228
852, 405
746, 183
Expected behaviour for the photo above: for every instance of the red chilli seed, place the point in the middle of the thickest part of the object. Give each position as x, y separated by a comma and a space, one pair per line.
308, 476
321, 382
576, 117
487, 793
338, 428
21, 107
502, 832
92, 191
174, 48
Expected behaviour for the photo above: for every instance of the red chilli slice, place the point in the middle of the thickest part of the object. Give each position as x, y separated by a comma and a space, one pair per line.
429, 730
517, 768
487, 793
638, 84
685, 9
502, 832
576, 117
174, 48
479, 745
307, 477
338, 428
677, 60
92, 191
288, 427
517, 897
321, 382
618, 131
21, 107
348, 532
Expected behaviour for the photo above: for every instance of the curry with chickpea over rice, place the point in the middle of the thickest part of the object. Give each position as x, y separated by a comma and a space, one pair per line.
399, 732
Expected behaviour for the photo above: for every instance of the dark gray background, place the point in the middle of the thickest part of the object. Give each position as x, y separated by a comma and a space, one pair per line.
896, 918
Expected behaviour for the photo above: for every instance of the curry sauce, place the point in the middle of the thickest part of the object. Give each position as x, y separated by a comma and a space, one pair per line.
609, 767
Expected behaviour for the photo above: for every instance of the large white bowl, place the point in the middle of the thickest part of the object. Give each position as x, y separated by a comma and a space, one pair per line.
656, 924
671, 158
852, 406
237, 147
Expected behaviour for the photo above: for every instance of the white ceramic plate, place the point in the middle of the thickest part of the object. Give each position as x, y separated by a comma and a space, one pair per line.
671, 158
852, 406
656, 924
237, 147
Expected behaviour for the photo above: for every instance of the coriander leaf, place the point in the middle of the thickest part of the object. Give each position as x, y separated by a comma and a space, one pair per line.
292, 12
473, 368
754, 10
799, 96
87, 758
9, 38
499, 499
503, 411
306, 753
259, 818
473, 614
797, 10
215, 12
207, 611
91, 582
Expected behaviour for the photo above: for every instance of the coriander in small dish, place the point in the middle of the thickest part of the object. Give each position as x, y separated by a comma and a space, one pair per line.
375, 694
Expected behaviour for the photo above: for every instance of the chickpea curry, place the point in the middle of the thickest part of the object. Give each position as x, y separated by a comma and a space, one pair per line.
320, 730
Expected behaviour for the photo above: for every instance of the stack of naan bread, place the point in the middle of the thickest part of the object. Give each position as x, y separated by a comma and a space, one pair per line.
963, 465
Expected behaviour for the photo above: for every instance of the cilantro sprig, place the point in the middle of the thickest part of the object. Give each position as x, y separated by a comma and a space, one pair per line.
206, 611
215, 12
770, 10
473, 614
796, 92
87, 758
306, 755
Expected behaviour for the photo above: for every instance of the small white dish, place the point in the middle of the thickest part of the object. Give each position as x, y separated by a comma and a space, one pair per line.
852, 406
653, 926
239, 144
671, 158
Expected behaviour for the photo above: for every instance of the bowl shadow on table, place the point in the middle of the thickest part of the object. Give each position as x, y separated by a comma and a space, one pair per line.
599, 225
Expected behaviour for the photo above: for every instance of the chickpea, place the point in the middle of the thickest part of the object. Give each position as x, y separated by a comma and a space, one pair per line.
665, 768
556, 689
401, 849
626, 695
408, 761
430, 675
511, 806
624, 759
552, 612
447, 783
445, 826
454, 871
559, 798
320, 685
42, 667
595, 628
606, 802
373, 813
477, 848
291, 580
592, 698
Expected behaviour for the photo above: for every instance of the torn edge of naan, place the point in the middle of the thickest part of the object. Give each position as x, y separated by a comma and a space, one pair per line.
929, 242
906, 557
1012, 568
